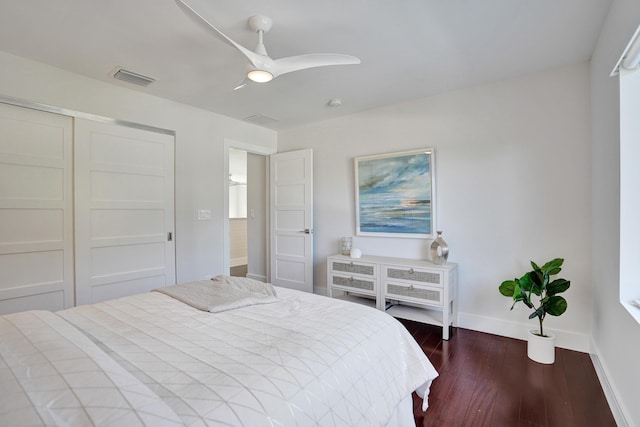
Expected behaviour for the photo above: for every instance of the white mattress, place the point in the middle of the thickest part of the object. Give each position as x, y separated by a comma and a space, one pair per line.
53, 375
306, 360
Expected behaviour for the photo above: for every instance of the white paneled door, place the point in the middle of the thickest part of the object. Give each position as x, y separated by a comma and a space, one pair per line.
291, 217
124, 210
36, 199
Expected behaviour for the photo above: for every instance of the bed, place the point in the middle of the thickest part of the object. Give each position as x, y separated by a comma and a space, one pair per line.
151, 359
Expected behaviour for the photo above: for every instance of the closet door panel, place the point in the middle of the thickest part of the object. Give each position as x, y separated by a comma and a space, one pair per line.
36, 224
124, 210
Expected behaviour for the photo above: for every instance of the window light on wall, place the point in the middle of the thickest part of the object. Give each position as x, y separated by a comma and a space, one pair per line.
628, 70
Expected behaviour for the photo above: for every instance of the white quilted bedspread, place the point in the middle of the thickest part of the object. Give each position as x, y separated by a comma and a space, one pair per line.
305, 360
53, 375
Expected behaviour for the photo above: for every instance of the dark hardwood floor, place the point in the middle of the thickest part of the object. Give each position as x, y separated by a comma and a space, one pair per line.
488, 380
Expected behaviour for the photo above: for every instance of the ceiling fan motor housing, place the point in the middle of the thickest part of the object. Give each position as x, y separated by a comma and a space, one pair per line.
260, 23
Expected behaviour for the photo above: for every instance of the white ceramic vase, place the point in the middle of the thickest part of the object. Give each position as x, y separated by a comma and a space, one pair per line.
541, 349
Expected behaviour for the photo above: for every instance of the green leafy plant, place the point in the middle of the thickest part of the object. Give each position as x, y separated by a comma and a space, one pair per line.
537, 283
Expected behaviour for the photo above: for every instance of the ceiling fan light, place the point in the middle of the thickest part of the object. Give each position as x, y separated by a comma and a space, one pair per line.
260, 76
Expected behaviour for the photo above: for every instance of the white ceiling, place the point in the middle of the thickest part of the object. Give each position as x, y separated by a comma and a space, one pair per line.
409, 48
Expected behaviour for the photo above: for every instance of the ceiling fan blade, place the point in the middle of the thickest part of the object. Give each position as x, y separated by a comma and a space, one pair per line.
242, 84
255, 58
312, 60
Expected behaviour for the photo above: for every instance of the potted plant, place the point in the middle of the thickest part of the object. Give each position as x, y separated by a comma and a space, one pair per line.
537, 283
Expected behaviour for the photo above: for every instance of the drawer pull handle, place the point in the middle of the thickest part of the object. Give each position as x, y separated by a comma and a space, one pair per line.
351, 279
351, 264
410, 287
411, 271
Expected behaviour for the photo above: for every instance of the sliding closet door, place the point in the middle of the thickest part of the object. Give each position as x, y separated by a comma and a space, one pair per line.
36, 228
124, 211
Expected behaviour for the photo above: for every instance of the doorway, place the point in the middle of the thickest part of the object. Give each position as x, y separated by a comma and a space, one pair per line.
238, 250
246, 228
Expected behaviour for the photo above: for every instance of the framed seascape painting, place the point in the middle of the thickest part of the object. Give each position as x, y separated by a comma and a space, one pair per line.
395, 194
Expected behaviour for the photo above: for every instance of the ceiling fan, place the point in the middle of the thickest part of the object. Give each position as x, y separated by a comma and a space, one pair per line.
261, 67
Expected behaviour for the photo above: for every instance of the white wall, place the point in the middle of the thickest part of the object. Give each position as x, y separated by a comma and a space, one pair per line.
616, 336
513, 176
199, 157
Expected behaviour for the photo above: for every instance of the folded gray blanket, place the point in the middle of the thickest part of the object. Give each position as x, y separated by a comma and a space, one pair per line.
222, 293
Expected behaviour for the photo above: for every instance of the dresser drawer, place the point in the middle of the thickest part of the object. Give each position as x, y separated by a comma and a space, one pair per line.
427, 277
414, 293
407, 289
355, 283
351, 267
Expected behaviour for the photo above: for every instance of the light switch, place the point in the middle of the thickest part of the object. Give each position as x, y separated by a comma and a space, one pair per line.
204, 214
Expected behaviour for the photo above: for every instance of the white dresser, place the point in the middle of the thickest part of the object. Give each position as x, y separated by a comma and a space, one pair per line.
408, 289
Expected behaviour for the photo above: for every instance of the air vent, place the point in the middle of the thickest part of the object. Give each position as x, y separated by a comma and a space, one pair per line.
261, 119
131, 77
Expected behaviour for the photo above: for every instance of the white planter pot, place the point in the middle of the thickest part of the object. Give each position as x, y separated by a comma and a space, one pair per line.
541, 349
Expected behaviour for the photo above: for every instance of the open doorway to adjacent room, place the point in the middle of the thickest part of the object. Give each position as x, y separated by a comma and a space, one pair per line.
238, 254
247, 201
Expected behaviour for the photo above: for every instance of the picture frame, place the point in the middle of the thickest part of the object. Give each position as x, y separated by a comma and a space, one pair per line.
395, 194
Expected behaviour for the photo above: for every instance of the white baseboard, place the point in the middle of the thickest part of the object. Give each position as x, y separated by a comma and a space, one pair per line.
610, 393
238, 261
257, 277
564, 339
319, 290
